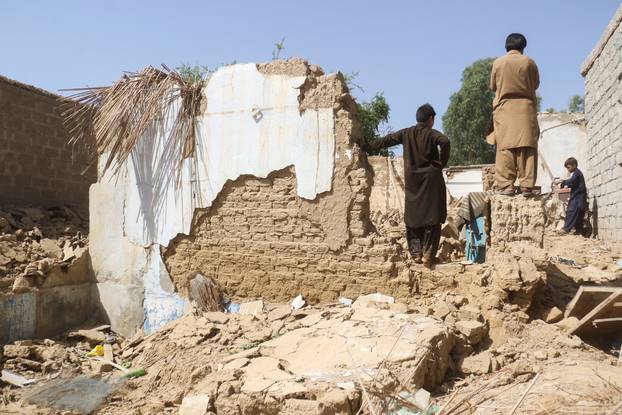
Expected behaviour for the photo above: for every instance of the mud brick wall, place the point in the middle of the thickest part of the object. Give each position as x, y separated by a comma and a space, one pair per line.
37, 166
603, 108
258, 241
516, 219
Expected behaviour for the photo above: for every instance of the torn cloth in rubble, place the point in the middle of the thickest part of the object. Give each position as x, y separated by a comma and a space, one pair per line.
472, 206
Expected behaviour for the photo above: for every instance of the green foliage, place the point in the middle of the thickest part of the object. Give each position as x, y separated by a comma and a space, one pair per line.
576, 104
350, 78
469, 115
278, 48
550, 109
193, 73
374, 115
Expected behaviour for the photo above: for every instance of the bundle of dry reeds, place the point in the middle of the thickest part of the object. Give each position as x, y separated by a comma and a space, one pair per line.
118, 116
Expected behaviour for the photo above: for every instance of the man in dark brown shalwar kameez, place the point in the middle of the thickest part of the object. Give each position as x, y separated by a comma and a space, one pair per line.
425, 207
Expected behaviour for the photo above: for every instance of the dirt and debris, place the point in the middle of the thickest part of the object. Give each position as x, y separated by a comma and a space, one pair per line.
472, 338
475, 344
36, 242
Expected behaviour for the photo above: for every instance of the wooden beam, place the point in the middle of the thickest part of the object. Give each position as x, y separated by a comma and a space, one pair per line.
597, 311
602, 321
586, 298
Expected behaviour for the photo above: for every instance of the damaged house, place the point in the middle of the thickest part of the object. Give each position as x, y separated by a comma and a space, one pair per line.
253, 179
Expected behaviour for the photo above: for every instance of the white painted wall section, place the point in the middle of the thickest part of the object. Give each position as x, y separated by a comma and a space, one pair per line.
559, 140
252, 125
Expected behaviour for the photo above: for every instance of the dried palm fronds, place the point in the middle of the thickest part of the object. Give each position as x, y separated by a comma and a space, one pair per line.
158, 101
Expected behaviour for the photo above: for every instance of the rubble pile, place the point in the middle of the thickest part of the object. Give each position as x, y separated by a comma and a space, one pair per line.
36, 241
470, 337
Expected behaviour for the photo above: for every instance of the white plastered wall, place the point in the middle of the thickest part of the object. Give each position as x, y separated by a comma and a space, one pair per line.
252, 125
562, 136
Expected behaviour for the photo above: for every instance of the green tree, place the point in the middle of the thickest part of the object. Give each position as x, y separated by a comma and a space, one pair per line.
374, 115
576, 104
469, 115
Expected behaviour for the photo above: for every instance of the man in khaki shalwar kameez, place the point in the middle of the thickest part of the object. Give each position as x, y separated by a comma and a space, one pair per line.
515, 132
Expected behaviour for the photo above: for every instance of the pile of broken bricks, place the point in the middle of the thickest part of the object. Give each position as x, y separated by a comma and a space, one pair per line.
37, 242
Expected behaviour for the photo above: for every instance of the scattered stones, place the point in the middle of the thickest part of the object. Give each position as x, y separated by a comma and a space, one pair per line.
568, 323
368, 300
279, 313
216, 317
33, 243
469, 312
553, 315
253, 308
475, 331
478, 364
441, 310
195, 405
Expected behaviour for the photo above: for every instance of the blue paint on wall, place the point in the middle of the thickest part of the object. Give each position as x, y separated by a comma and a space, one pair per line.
160, 306
18, 314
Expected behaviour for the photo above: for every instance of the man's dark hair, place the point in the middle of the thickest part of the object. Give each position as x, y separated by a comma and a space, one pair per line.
515, 41
571, 162
424, 113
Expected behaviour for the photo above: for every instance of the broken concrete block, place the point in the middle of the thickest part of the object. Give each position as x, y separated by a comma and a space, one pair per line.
336, 402
254, 308
422, 399
540, 355
568, 323
478, 364
475, 331
195, 405
23, 284
399, 308
441, 310
364, 301
93, 337
469, 312
301, 406
51, 248
279, 313
216, 317
553, 315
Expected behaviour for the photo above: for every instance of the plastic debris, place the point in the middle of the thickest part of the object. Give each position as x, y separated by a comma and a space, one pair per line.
134, 373
97, 351
232, 307
345, 301
565, 261
298, 302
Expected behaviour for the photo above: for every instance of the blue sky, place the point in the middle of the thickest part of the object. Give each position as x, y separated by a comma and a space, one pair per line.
413, 51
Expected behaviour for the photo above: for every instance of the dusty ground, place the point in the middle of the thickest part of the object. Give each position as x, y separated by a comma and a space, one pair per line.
475, 337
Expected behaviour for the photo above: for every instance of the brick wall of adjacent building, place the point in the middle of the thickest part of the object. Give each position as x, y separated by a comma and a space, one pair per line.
603, 107
37, 165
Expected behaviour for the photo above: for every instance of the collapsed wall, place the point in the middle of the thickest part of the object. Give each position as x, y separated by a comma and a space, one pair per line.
274, 202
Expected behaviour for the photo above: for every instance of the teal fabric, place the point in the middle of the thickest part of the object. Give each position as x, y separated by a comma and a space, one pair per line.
476, 241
